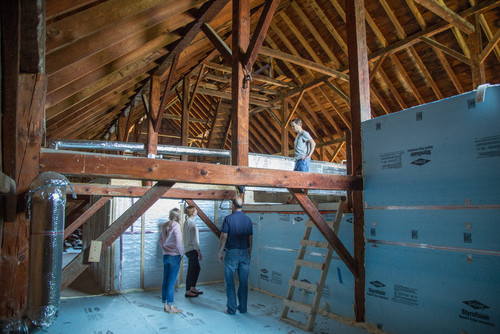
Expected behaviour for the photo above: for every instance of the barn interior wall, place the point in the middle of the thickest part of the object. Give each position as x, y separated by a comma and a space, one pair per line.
432, 203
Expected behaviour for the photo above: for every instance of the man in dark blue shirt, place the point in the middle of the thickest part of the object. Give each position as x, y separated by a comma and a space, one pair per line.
236, 238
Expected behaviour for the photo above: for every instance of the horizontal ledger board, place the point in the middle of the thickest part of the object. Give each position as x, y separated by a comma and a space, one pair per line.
104, 165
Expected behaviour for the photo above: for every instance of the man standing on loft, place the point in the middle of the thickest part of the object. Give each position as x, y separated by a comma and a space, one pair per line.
303, 146
236, 238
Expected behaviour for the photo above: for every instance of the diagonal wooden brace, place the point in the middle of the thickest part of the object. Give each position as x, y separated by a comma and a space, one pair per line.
320, 222
120, 225
204, 217
85, 216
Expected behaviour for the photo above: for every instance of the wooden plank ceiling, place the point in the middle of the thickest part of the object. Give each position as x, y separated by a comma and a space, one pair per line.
101, 56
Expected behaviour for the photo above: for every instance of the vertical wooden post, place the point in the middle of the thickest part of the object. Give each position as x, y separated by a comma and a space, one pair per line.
24, 88
284, 130
477, 67
240, 85
185, 116
154, 107
359, 83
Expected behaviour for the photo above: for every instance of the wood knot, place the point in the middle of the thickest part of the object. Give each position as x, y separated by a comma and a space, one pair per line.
203, 172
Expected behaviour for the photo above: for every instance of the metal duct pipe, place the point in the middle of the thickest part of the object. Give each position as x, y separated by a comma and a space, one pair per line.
46, 201
135, 147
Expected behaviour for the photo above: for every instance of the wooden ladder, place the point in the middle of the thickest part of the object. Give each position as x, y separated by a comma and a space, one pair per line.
294, 282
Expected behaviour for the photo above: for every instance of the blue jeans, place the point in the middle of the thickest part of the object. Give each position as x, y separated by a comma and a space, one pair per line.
236, 260
302, 165
171, 264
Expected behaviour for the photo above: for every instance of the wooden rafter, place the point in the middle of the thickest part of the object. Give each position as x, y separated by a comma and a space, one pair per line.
447, 14
259, 33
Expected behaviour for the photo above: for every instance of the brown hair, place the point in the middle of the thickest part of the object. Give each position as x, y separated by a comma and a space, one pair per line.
189, 210
297, 121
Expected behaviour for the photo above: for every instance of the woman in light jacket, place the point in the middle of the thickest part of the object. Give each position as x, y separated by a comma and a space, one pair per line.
193, 253
173, 251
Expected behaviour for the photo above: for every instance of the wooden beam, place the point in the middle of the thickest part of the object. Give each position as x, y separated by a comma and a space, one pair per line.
138, 168
447, 14
120, 225
136, 191
179, 117
260, 33
85, 216
185, 116
206, 13
23, 126
196, 85
228, 96
240, 83
446, 50
477, 67
153, 108
337, 150
219, 44
256, 77
304, 63
23, 97
489, 47
325, 230
294, 109
359, 84
166, 92
204, 217
284, 130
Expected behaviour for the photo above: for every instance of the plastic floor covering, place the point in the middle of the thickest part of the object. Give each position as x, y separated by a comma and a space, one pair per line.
142, 312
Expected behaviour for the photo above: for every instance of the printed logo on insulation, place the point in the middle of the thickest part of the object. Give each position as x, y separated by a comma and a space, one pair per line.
422, 155
377, 291
476, 312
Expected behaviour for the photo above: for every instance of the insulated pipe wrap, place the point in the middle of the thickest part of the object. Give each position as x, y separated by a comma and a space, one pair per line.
46, 204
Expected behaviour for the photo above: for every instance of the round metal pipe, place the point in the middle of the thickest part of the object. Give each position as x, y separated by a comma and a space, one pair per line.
134, 147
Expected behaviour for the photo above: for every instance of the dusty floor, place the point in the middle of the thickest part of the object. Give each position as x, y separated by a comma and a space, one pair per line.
142, 312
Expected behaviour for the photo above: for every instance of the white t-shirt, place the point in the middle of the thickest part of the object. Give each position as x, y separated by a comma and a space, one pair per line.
190, 236
300, 144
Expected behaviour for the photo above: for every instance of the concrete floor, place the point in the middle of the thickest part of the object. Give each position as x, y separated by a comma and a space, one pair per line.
142, 312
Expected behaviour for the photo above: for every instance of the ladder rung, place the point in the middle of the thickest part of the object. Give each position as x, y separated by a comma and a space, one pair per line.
298, 306
310, 223
310, 264
303, 285
314, 243
294, 323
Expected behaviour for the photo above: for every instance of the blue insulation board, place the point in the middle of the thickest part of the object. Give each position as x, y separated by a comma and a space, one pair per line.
411, 290
432, 217
276, 246
465, 228
445, 153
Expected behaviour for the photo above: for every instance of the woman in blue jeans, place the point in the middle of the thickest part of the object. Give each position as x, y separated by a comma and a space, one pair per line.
173, 250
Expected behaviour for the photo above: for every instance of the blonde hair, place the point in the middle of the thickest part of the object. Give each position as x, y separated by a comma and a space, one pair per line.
189, 210
174, 214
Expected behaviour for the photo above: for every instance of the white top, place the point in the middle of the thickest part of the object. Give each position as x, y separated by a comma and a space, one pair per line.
190, 234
